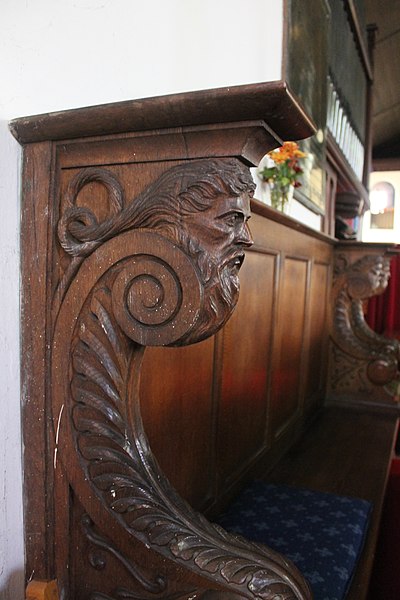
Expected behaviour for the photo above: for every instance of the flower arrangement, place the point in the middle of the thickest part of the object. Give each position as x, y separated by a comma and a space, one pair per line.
284, 175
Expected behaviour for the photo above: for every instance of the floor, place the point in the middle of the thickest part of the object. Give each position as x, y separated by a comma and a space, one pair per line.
385, 582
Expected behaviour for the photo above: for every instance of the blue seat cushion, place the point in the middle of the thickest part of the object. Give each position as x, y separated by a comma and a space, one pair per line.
323, 534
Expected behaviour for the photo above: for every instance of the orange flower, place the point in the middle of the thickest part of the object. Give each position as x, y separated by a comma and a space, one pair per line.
289, 150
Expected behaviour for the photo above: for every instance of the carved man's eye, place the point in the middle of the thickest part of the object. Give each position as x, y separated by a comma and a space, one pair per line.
234, 219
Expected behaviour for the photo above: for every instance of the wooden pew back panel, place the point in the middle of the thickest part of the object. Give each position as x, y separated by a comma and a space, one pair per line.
219, 410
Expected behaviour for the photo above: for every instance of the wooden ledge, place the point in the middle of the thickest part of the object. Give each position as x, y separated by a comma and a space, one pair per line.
260, 208
271, 102
366, 247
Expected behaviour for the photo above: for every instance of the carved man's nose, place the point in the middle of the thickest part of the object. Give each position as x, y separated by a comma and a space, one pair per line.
244, 236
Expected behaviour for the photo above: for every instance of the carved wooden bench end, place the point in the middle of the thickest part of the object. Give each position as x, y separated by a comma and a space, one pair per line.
161, 269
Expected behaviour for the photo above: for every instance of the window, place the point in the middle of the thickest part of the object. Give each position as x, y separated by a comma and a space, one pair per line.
382, 205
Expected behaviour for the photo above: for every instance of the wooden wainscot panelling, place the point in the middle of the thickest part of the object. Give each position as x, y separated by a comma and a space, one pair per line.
319, 307
175, 396
288, 355
300, 354
245, 361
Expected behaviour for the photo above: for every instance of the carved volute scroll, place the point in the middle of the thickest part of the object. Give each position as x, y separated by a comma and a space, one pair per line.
363, 363
159, 269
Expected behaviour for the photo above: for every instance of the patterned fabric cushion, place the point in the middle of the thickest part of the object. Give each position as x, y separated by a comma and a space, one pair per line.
321, 533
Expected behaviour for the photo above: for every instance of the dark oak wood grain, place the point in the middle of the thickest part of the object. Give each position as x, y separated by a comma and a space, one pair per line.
364, 366
137, 235
34, 340
145, 397
271, 102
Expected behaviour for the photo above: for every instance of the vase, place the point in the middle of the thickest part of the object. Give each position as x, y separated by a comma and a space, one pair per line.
281, 196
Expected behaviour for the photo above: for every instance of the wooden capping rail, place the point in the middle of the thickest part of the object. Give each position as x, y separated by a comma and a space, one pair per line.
271, 102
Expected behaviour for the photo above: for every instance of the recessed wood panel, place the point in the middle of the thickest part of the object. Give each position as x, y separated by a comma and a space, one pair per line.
318, 323
246, 356
289, 343
176, 399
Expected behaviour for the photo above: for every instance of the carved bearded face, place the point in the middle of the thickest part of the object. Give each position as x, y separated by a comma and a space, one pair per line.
204, 206
216, 239
379, 276
384, 276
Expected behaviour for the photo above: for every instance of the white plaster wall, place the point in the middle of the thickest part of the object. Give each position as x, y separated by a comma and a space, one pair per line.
68, 53
11, 543
61, 54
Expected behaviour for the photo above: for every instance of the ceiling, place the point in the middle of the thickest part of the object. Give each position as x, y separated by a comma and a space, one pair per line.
386, 91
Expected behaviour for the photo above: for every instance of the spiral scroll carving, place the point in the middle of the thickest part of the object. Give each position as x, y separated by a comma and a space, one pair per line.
361, 358
78, 228
154, 305
148, 288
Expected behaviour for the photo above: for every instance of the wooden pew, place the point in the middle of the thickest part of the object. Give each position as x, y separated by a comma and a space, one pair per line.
346, 451
127, 445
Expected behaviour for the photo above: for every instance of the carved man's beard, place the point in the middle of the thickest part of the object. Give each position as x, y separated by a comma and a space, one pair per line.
221, 288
